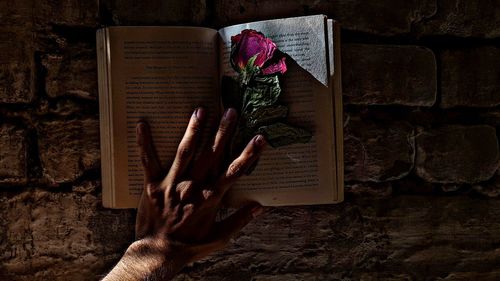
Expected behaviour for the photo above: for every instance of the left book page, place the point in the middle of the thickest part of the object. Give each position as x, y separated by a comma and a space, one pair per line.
159, 74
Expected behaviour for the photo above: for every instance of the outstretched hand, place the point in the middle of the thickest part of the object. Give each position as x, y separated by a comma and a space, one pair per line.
176, 220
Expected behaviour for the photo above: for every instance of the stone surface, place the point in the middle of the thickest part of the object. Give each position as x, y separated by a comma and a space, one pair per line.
67, 107
43, 14
457, 154
155, 12
17, 66
438, 219
68, 148
73, 13
366, 16
463, 18
60, 236
377, 152
387, 74
64, 236
13, 153
16, 13
72, 74
470, 77
490, 188
401, 238
368, 189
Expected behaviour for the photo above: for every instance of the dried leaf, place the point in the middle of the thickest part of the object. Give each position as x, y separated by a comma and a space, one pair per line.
280, 134
266, 115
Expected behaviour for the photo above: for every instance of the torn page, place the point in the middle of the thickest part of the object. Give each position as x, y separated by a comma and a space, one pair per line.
302, 38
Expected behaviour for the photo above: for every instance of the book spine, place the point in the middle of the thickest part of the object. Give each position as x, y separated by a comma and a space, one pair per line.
105, 136
339, 114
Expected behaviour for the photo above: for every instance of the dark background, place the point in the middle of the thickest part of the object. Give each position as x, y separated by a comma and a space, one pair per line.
421, 82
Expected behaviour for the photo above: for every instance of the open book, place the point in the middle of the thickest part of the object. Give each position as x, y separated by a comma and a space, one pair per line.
161, 74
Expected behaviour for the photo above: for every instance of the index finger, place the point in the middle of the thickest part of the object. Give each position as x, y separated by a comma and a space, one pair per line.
187, 146
240, 165
149, 157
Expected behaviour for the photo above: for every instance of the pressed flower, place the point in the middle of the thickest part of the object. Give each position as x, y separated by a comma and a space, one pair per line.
259, 65
253, 52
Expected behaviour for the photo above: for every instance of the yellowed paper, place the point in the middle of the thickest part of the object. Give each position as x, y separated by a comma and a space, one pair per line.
299, 173
159, 74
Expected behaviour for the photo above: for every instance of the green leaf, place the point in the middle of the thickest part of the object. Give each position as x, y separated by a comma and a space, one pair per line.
280, 134
249, 71
262, 92
266, 115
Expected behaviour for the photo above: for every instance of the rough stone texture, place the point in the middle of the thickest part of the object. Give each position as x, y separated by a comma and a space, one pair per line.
72, 74
65, 236
464, 18
366, 16
369, 189
156, 12
66, 107
490, 117
13, 152
16, 66
376, 152
489, 189
68, 148
401, 238
44, 13
386, 74
457, 154
437, 219
60, 236
16, 13
75, 13
470, 77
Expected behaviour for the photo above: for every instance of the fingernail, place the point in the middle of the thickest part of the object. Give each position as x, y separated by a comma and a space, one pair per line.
139, 128
229, 114
199, 113
257, 211
259, 140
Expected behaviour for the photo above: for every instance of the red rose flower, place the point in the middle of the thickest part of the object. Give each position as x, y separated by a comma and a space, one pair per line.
251, 50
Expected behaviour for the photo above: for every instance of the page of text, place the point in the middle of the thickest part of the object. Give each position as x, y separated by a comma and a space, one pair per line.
298, 173
159, 74
302, 38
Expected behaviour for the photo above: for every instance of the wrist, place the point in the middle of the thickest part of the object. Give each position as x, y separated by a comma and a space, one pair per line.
149, 259
160, 254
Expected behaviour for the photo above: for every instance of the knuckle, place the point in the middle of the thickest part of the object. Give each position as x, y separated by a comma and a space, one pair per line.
188, 210
145, 159
195, 127
184, 185
249, 154
208, 194
235, 169
184, 152
223, 128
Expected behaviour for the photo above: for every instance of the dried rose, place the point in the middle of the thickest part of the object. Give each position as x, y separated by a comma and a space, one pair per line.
252, 52
256, 91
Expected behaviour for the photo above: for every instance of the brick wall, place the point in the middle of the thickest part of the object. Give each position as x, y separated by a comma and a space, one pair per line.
421, 145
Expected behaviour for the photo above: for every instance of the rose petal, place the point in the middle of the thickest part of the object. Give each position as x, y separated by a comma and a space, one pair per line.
248, 44
235, 39
279, 66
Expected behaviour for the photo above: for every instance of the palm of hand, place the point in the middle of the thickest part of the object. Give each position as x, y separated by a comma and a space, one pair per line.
182, 206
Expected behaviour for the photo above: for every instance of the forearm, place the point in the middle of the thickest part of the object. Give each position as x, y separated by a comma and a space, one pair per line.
146, 260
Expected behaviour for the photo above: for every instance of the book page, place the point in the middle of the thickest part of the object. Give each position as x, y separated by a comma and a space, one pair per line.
298, 173
159, 74
302, 38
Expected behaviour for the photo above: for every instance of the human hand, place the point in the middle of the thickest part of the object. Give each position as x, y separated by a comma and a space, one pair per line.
177, 212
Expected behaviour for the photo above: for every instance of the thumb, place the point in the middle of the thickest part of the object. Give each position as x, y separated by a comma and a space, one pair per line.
228, 228
239, 219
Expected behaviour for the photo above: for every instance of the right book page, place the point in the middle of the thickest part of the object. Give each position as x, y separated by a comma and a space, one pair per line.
298, 174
